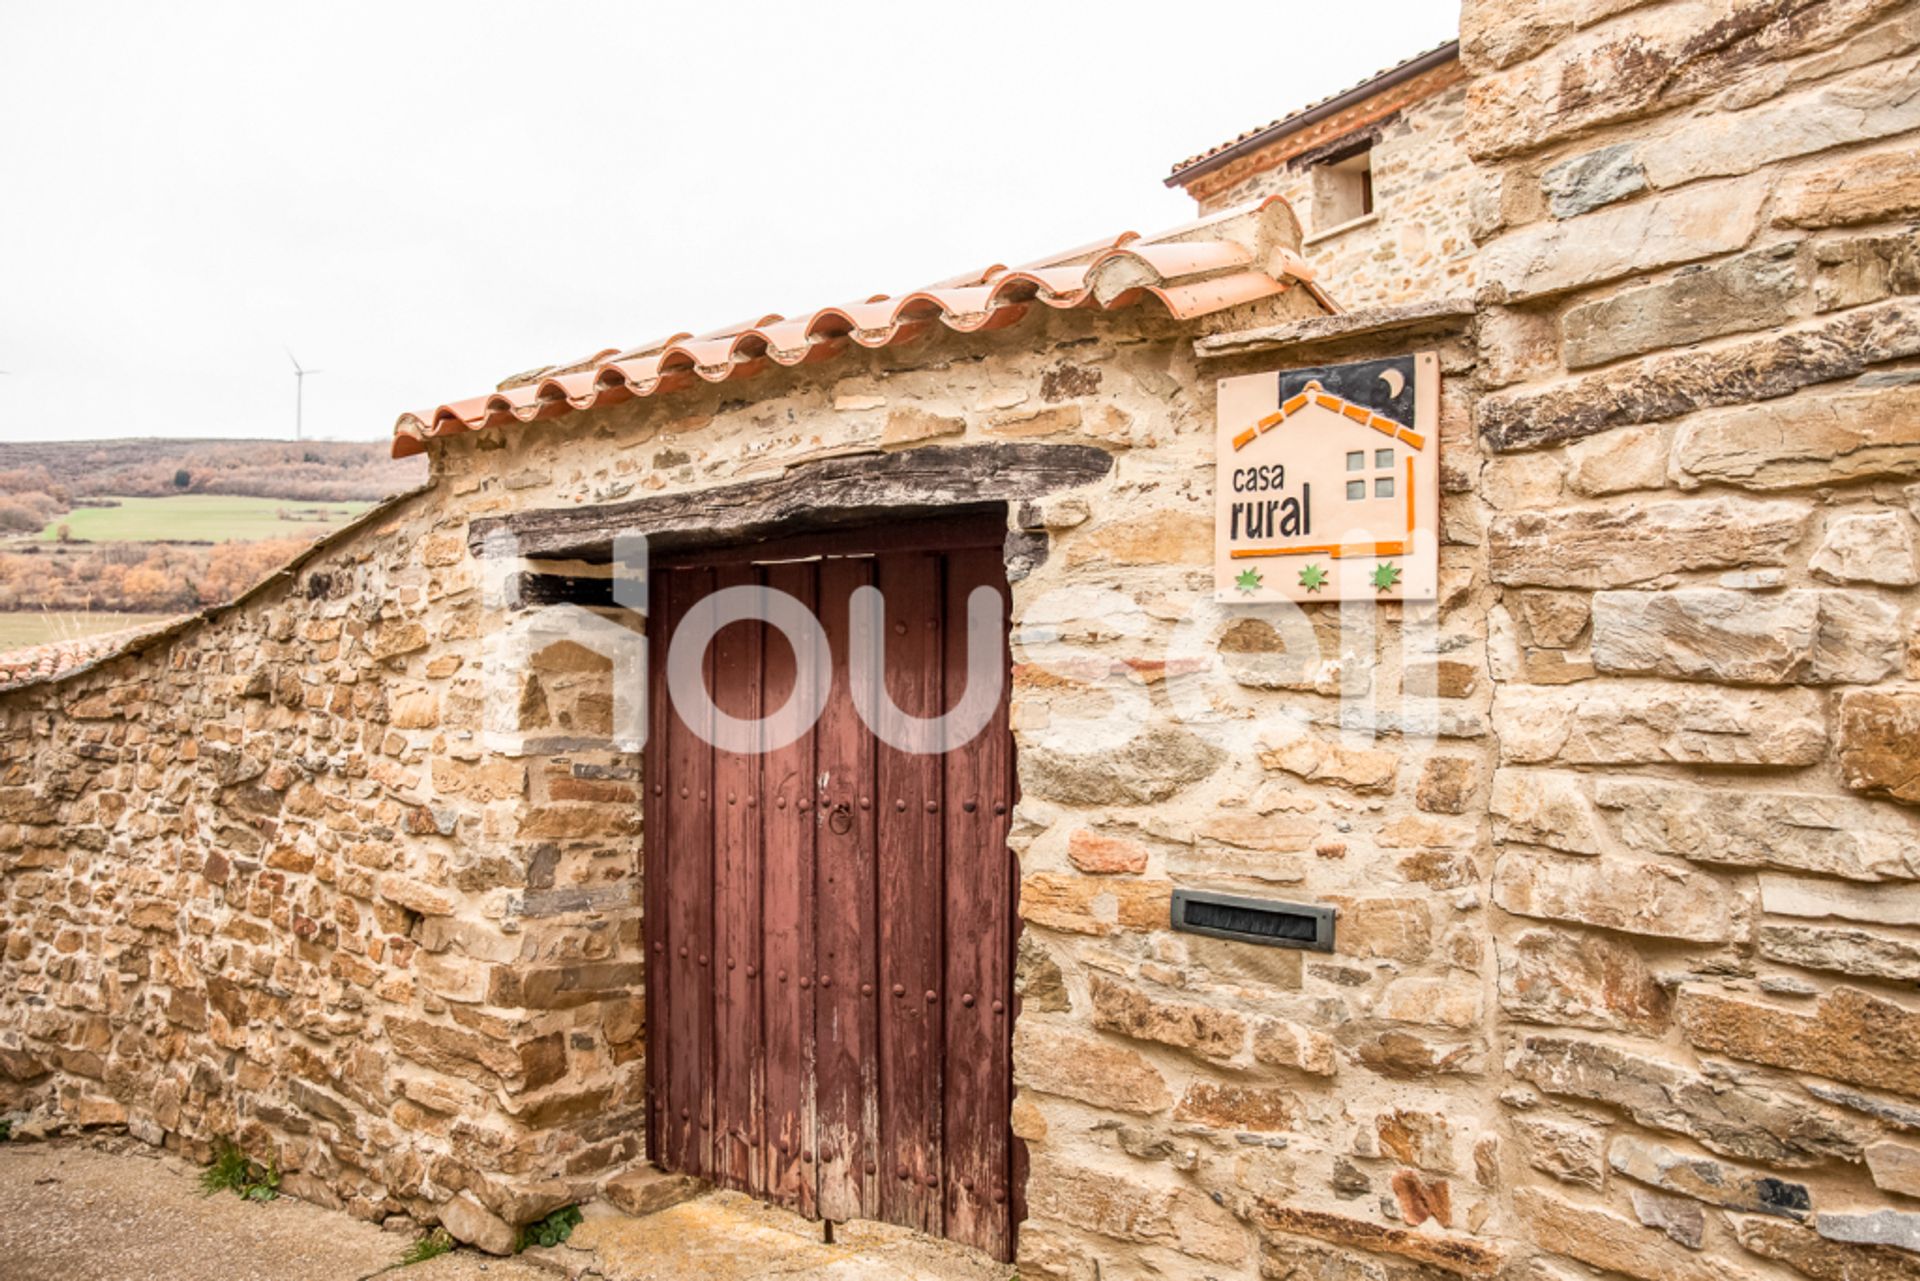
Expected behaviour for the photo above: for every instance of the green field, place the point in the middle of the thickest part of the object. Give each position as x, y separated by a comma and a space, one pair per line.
36, 627
209, 518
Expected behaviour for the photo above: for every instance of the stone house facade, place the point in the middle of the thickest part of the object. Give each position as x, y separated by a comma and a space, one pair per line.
1624, 964
1406, 235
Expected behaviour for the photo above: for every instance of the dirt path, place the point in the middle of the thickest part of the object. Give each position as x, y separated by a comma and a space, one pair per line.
71, 1212
74, 1213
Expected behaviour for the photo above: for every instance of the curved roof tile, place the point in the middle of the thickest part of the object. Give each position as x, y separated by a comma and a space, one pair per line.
1235, 257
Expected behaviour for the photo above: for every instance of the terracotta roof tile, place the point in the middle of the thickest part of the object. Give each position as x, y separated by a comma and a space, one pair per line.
57, 658
1234, 257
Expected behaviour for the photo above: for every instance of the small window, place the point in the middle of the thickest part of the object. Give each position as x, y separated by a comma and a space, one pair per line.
1356, 489
1357, 460
1343, 189
1383, 458
1383, 487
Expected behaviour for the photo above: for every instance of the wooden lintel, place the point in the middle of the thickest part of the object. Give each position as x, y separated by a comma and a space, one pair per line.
829, 494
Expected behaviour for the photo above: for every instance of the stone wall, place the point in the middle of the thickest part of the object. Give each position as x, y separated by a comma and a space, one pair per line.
1626, 944
262, 880
1699, 346
1418, 243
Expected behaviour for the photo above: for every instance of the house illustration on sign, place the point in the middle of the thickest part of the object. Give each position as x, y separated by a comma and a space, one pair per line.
1328, 483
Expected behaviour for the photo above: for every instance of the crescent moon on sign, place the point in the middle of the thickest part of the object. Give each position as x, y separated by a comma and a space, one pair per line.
1395, 380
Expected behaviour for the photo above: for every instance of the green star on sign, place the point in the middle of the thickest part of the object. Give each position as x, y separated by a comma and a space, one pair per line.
1248, 581
1313, 578
1385, 575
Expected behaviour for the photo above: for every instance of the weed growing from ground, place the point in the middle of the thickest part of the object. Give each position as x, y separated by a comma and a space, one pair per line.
552, 1230
232, 1171
430, 1246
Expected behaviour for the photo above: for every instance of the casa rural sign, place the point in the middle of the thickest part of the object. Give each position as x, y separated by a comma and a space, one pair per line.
1327, 483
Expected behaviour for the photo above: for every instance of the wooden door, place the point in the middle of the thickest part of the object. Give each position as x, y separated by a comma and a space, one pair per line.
830, 922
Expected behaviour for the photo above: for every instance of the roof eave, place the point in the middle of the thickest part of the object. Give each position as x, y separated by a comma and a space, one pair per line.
1279, 129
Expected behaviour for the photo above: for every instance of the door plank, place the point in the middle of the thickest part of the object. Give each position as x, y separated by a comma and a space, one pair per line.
736, 902
910, 901
978, 900
787, 927
653, 849
689, 855
848, 1100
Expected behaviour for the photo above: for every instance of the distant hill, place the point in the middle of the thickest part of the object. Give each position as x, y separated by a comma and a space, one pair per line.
315, 471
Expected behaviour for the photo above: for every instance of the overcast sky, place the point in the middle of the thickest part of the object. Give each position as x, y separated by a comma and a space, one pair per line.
421, 198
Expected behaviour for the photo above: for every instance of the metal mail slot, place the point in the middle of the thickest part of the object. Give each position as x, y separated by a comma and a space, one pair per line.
1254, 920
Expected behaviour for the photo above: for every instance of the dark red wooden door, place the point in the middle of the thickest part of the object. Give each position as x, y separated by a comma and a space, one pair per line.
830, 921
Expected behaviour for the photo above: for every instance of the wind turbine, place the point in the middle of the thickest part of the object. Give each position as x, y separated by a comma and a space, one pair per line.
299, 392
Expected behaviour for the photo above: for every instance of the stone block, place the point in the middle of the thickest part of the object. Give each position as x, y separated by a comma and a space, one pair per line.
1748, 291
1704, 1179
1249, 1108
1319, 760
1875, 547
1631, 895
1746, 826
1569, 1153
417, 896
1161, 536
1872, 102
1447, 784
1895, 1167
1206, 1030
911, 425
1618, 461
1095, 905
645, 1190
1755, 1123
1851, 1036
1684, 1222
1863, 269
1879, 743
1580, 980
1553, 257
1536, 807
1147, 769
1100, 854
1058, 1059
1647, 723
1621, 545
1897, 1228
1711, 634
1455, 1255
1869, 904
1815, 438
1591, 179
1661, 61
1611, 1243
1861, 188
1867, 954
1661, 387
1125, 1207
1431, 1002
1813, 1256
466, 1220
1281, 1043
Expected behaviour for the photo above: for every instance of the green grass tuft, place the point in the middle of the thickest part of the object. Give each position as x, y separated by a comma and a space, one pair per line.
430, 1246
231, 1171
552, 1230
